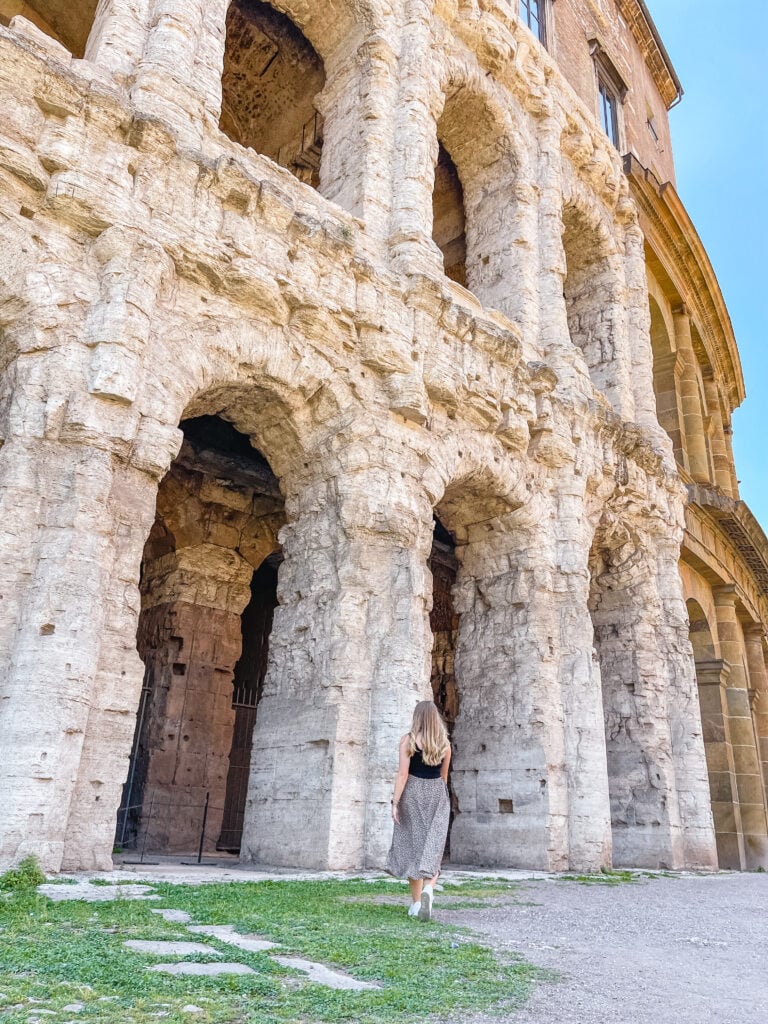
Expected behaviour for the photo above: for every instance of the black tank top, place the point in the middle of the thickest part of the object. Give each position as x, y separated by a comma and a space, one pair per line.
421, 770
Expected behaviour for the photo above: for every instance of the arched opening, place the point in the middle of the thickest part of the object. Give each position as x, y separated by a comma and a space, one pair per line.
665, 381
594, 306
272, 77
448, 218
68, 23
712, 677
208, 587
444, 623
479, 227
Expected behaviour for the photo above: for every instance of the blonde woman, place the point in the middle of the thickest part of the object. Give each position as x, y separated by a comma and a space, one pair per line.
421, 807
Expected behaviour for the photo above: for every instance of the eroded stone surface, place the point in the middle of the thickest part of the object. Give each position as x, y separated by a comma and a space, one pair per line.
96, 893
168, 948
154, 272
322, 975
202, 970
174, 916
226, 933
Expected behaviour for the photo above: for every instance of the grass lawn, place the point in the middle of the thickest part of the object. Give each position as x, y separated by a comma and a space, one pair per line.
54, 955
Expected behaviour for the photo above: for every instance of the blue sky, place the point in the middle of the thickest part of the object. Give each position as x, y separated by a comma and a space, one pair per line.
720, 141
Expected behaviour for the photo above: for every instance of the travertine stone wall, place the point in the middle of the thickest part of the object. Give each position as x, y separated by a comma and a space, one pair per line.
154, 271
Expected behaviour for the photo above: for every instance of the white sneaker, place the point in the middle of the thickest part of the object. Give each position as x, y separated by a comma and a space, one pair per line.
413, 910
425, 909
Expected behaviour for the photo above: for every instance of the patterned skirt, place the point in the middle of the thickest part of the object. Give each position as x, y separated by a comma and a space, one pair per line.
418, 841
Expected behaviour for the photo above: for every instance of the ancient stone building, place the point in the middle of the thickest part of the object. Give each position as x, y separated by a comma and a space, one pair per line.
352, 352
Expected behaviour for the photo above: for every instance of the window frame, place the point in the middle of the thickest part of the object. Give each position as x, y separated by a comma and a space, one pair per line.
525, 14
612, 86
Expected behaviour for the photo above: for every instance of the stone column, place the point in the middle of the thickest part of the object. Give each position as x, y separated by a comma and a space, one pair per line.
348, 660
190, 639
758, 687
712, 678
77, 523
527, 797
747, 765
720, 453
667, 371
169, 84
656, 765
415, 143
358, 104
118, 36
690, 398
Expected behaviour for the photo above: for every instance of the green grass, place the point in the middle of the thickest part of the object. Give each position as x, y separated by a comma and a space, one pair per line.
72, 951
612, 877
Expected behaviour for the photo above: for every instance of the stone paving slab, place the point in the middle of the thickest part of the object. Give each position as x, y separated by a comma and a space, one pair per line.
169, 948
174, 916
203, 970
226, 933
83, 890
323, 975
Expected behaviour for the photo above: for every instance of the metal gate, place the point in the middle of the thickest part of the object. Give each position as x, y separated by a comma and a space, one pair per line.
244, 705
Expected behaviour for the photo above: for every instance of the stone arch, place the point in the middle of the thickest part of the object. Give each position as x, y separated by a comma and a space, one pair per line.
666, 372
68, 23
509, 787
207, 597
480, 175
594, 290
306, 55
272, 76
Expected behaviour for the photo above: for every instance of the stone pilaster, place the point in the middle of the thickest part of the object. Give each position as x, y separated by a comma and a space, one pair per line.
747, 765
720, 455
758, 688
690, 398
118, 36
520, 801
333, 708
667, 370
712, 678
52, 663
656, 766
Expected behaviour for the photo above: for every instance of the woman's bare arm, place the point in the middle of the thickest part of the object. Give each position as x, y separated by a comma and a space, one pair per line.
445, 765
402, 776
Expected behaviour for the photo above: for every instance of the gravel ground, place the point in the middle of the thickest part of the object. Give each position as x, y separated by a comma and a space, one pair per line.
682, 950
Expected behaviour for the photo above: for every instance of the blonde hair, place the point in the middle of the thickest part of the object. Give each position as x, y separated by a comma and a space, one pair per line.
429, 726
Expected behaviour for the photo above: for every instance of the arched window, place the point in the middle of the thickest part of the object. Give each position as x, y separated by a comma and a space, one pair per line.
272, 76
67, 22
449, 220
666, 370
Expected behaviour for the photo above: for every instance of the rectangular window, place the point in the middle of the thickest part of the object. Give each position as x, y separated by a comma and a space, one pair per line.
532, 13
609, 111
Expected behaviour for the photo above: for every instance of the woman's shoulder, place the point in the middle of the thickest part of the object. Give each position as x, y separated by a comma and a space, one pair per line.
404, 740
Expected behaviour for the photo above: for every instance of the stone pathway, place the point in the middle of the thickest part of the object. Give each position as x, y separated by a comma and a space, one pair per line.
316, 973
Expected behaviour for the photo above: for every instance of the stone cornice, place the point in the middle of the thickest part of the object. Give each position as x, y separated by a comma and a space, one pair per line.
647, 37
741, 529
670, 232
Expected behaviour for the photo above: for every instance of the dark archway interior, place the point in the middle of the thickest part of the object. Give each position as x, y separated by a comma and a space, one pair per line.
67, 22
272, 76
214, 541
445, 630
448, 218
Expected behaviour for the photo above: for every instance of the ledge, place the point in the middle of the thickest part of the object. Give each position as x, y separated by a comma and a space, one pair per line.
739, 526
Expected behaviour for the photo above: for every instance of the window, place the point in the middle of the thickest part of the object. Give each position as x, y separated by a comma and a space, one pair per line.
609, 110
532, 13
611, 91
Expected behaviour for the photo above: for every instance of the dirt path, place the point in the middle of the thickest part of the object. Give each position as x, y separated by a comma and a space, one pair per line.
689, 950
